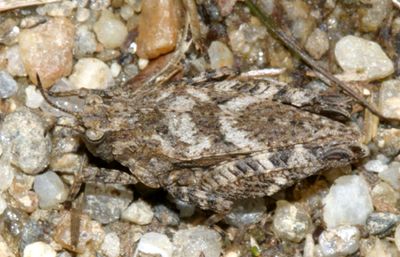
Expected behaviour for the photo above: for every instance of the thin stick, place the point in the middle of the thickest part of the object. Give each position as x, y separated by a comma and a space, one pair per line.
291, 44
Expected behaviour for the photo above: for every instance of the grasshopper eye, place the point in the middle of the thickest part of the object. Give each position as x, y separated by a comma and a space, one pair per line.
94, 136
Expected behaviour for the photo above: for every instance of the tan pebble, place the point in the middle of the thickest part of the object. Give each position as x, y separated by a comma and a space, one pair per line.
47, 50
159, 26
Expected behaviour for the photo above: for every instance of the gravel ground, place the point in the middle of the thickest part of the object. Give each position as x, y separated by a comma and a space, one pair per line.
99, 44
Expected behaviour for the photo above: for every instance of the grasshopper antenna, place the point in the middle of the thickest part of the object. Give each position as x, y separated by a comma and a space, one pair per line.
52, 104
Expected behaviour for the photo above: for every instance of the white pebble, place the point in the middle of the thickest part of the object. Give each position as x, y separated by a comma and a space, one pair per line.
142, 63
309, 246
362, 60
138, 212
378, 165
220, 55
348, 202
197, 240
115, 69
39, 249
341, 241
111, 245
82, 14
392, 175
154, 243
7, 173
126, 12
389, 98
50, 189
3, 204
91, 73
375, 166
34, 98
110, 31
291, 222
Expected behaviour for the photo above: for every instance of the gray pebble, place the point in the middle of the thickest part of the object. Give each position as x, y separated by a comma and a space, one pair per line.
166, 216
24, 136
8, 86
382, 223
105, 203
32, 232
246, 212
196, 241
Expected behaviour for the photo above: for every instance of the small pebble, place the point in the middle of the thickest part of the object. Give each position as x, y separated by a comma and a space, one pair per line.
25, 199
32, 231
85, 41
374, 14
381, 223
138, 212
131, 70
142, 63
5, 250
340, 209
381, 248
50, 190
309, 246
91, 233
248, 41
197, 240
34, 98
291, 222
151, 41
91, 73
389, 98
362, 60
15, 220
220, 55
61, 9
392, 175
340, 241
6, 175
47, 50
3, 204
126, 12
29, 143
8, 86
388, 140
111, 245
185, 210
156, 244
15, 66
377, 165
110, 31
246, 212
397, 237
82, 14
115, 69
69, 163
166, 216
317, 43
105, 203
39, 249
384, 197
